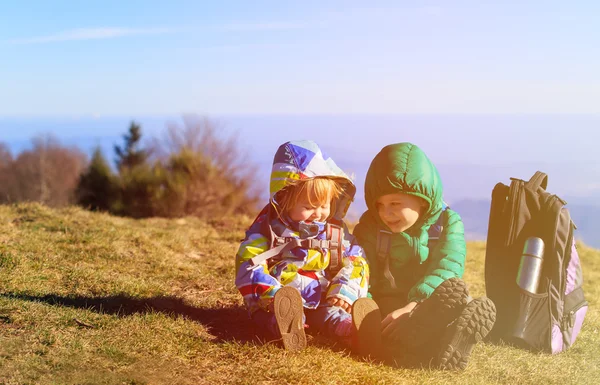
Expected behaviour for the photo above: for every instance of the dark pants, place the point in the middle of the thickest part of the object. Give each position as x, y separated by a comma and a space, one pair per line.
389, 304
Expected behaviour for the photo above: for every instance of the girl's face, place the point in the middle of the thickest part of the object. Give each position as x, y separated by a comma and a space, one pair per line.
303, 210
399, 211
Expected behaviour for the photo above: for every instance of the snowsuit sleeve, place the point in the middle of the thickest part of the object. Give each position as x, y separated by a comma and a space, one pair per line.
447, 258
352, 281
255, 283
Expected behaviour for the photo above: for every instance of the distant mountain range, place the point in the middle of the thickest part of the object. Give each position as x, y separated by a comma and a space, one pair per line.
475, 215
468, 188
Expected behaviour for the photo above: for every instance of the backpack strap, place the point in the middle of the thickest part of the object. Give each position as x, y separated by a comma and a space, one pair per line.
273, 252
384, 248
435, 231
539, 179
333, 234
279, 245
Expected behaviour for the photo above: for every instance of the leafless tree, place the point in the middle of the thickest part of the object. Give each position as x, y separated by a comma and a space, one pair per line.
47, 173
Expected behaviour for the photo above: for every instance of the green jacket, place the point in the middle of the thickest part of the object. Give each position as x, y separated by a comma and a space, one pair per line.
417, 270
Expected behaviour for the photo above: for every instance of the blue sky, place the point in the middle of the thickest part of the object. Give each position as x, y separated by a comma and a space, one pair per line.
156, 57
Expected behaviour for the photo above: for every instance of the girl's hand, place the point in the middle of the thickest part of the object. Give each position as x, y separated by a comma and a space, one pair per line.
391, 325
340, 303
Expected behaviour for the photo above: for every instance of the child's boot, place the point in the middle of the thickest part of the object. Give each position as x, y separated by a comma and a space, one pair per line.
470, 327
428, 320
289, 314
366, 319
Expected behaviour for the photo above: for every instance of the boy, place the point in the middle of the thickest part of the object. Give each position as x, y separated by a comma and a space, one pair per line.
416, 281
298, 263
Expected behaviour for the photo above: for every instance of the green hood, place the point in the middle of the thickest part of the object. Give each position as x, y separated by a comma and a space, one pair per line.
404, 168
417, 269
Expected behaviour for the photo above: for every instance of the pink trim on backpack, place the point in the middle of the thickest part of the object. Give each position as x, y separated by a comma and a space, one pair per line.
557, 339
572, 270
579, 316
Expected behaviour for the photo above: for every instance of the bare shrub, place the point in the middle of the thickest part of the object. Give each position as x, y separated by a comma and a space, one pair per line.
204, 173
48, 173
6, 174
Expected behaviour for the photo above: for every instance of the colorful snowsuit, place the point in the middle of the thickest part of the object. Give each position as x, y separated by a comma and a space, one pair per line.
417, 270
304, 269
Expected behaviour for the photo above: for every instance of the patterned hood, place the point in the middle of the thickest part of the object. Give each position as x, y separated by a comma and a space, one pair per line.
304, 160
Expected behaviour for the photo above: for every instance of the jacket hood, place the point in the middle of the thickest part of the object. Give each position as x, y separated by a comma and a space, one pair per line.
304, 160
404, 168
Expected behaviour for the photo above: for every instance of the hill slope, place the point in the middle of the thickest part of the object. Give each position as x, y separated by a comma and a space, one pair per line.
91, 298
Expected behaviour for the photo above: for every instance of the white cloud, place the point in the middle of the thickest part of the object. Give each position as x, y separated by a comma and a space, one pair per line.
82, 34
91, 34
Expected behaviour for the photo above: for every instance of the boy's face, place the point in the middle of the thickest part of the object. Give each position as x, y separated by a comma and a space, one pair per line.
399, 211
303, 210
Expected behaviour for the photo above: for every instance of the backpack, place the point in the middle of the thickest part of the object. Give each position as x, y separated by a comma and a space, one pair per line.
278, 245
550, 319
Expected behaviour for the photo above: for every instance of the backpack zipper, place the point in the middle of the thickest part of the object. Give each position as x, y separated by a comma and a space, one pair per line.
569, 321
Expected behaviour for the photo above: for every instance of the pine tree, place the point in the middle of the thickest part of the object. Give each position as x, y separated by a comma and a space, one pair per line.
96, 189
130, 155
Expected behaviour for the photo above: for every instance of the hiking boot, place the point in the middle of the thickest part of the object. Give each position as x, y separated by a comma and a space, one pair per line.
429, 319
289, 314
366, 319
471, 326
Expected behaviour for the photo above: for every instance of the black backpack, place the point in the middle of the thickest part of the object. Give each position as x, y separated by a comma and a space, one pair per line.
549, 319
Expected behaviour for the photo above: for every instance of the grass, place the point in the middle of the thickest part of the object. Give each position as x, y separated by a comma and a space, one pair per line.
88, 298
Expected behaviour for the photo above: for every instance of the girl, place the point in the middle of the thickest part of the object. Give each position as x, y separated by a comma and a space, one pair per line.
298, 264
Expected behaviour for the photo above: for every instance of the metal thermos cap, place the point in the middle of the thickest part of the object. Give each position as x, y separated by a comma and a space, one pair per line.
534, 246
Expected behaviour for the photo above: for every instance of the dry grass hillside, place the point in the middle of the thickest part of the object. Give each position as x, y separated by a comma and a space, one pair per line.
88, 298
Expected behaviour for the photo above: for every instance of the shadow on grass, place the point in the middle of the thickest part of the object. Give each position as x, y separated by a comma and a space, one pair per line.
226, 324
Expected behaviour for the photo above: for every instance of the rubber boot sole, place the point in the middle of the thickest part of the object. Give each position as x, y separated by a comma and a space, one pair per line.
366, 319
289, 316
472, 325
428, 320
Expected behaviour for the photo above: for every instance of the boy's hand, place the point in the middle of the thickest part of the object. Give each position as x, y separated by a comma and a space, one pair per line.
339, 302
391, 325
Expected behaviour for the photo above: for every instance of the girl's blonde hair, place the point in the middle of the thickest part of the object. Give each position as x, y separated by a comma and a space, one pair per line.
316, 191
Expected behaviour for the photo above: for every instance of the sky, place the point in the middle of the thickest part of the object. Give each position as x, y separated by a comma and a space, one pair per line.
488, 89
112, 58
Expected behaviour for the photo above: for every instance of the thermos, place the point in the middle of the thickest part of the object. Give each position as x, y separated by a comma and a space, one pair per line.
530, 269
528, 278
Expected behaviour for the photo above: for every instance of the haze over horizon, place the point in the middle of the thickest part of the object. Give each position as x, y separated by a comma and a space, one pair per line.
471, 159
